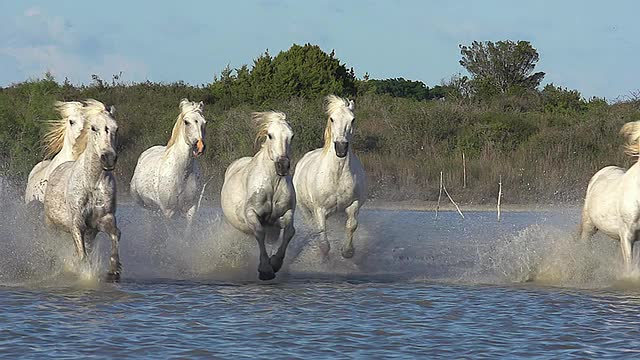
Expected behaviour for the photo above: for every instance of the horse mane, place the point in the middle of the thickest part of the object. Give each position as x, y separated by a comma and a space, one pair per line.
54, 138
262, 121
631, 132
186, 106
90, 109
333, 104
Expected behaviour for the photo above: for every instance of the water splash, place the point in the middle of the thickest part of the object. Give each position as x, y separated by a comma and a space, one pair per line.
397, 245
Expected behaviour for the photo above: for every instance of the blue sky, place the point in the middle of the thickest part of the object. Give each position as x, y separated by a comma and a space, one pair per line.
591, 46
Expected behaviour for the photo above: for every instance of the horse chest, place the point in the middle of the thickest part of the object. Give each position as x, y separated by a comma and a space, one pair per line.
270, 205
337, 191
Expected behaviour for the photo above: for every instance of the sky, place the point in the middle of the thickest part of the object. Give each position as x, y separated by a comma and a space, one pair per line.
591, 46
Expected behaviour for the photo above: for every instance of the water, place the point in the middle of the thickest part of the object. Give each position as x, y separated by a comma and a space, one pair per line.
417, 287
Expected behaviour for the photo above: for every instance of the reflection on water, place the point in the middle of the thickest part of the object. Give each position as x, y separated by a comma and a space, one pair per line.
464, 288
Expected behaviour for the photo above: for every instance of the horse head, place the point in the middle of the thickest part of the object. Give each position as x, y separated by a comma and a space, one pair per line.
193, 125
100, 132
339, 129
275, 134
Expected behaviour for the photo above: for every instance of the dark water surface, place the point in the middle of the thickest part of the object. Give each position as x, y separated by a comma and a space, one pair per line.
417, 287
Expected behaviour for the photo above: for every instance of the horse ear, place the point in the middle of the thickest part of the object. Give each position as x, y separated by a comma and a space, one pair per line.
352, 105
201, 105
112, 110
183, 102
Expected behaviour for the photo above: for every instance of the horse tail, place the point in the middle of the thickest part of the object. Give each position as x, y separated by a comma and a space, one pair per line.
631, 132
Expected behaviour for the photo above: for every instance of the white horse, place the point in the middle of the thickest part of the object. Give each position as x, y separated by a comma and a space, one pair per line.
258, 196
59, 141
612, 204
168, 177
81, 195
332, 178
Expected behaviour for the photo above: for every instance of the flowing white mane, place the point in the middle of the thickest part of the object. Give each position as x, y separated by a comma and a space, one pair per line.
631, 132
54, 138
262, 120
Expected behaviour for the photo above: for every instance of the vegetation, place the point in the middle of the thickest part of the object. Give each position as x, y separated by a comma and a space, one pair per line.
545, 144
502, 66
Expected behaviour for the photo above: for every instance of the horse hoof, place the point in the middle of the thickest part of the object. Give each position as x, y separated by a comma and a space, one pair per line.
348, 253
113, 277
276, 263
264, 276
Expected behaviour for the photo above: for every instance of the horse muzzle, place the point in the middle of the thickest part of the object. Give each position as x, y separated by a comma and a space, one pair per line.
108, 161
198, 148
282, 166
341, 148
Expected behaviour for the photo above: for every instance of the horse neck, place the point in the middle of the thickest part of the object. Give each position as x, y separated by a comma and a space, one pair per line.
89, 168
333, 163
264, 168
179, 154
66, 152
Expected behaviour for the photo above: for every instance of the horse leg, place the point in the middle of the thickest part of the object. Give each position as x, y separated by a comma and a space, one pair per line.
78, 238
265, 270
352, 224
89, 239
286, 224
191, 214
108, 225
321, 222
587, 228
627, 237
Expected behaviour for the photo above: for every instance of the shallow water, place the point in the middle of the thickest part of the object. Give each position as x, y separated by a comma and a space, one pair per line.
417, 287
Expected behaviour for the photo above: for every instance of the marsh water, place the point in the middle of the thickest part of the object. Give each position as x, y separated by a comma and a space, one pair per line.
417, 287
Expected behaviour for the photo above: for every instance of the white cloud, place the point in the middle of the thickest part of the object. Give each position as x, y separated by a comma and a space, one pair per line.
40, 43
32, 11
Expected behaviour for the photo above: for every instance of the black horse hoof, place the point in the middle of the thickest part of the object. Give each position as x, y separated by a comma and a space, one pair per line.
276, 263
264, 276
113, 277
348, 253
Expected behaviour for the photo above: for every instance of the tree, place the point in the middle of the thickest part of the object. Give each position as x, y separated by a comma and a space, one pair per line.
499, 67
304, 71
307, 71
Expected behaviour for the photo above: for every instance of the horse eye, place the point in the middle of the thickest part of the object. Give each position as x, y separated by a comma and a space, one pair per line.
270, 136
71, 122
186, 122
331, 119
93, 128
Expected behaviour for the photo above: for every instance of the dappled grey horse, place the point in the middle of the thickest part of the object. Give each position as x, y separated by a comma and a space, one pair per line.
81, 195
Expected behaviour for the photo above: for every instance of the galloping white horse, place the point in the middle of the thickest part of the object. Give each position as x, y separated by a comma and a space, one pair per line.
331, 178
81, 195
59, 141
168, 177
612, 204
257, 195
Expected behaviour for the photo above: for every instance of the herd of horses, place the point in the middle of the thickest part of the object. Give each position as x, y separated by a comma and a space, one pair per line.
259, 195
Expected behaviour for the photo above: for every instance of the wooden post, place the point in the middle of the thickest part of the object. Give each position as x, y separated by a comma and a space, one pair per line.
464, 171
499, 196
439, 196
453, 202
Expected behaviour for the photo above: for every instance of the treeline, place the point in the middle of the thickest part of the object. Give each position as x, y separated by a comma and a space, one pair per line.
544, 143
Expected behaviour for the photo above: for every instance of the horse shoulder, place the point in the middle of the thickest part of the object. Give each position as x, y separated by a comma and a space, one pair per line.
308, 160
38, 168
306, 173
236, 166
150, 158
